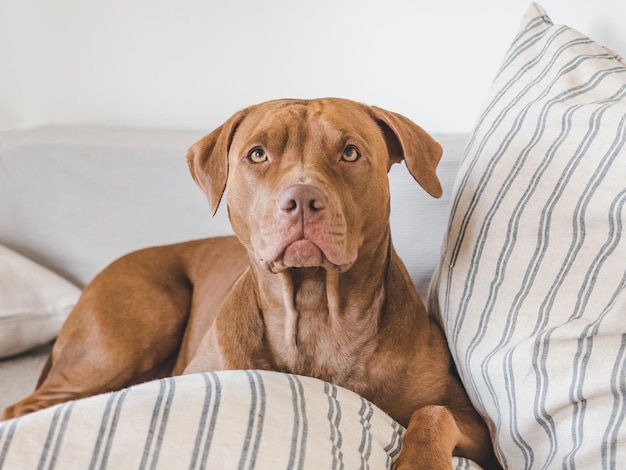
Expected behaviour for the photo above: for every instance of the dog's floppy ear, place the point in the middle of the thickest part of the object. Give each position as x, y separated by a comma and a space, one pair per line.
409, 142
208, 160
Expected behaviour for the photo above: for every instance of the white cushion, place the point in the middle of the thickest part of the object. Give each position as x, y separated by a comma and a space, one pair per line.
34, 303
530, 289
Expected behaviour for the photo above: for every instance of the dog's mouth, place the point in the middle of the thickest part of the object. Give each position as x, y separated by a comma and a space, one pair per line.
303, 253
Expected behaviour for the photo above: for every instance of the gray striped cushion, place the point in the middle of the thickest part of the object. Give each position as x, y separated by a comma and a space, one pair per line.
221, 420
230, 419
530, 289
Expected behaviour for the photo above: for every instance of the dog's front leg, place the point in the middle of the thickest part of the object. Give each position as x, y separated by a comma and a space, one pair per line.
235, 341
435, 433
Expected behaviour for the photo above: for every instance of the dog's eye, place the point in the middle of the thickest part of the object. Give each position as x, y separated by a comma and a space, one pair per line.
350, 154
257, 155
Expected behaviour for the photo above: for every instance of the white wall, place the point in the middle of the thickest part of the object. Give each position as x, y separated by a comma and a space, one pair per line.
192, 63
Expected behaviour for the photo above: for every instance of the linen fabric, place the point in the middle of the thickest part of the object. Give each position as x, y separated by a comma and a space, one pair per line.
228, 419
530, 288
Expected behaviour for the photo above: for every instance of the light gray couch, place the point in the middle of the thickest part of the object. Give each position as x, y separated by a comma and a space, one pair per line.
76, 198
73, 199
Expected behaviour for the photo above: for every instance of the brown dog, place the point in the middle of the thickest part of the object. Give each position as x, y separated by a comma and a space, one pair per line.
311, 285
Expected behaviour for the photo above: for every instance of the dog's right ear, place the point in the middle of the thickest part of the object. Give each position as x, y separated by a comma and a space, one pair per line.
208, 160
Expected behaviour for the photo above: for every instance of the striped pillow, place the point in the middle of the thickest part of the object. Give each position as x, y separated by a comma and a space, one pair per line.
229, 419
530, 289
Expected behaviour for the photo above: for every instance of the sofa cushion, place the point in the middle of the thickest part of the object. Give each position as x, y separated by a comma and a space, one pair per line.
76, 198
34, 303
126, 189
530, 288
227, 419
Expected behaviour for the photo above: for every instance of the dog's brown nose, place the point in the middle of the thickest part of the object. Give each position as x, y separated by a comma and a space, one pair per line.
302, 202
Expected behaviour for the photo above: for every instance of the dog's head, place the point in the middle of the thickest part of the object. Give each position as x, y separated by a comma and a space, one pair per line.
307, 179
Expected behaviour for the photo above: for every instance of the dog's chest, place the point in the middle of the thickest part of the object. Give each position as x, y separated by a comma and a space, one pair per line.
334, 351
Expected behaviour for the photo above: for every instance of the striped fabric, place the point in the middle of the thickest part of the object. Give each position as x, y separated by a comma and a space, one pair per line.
224, 420
530, 289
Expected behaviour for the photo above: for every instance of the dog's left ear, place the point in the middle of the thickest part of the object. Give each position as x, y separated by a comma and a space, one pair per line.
409, 142
208, 160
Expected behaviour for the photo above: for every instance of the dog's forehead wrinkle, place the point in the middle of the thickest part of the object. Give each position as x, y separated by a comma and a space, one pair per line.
342, 129
300, 128
282, 131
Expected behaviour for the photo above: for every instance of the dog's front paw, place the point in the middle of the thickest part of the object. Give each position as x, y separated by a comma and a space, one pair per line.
404, 464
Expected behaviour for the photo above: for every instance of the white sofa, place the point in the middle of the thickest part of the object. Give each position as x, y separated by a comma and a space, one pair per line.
75, 198
524, 256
